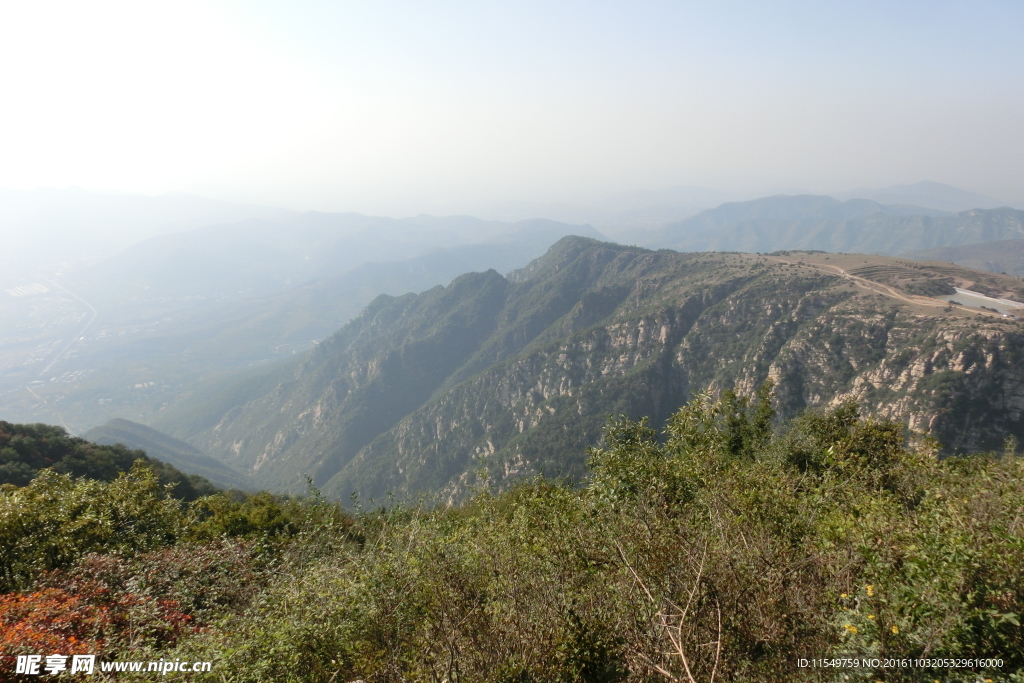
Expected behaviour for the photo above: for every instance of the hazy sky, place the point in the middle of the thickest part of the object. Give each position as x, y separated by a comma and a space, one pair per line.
398, 107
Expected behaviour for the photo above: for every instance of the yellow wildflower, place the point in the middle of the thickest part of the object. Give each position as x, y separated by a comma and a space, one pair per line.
870, 589
871, 616
851, 628
895, 630
843, 596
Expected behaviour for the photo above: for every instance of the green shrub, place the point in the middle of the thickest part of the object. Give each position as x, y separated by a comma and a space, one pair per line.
254, 515
719, 549
56, 519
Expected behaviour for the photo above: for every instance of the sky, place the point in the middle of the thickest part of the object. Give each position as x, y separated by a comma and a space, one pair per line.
401, 107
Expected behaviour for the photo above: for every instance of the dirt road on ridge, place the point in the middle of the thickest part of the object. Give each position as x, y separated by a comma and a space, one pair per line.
878, 287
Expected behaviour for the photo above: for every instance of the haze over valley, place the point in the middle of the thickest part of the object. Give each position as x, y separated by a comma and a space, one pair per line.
185, 327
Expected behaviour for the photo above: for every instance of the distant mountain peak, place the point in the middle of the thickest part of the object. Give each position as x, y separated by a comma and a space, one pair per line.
926, 193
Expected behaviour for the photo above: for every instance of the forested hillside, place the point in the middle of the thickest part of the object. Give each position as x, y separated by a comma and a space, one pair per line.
722, 548
518, 375
25, 450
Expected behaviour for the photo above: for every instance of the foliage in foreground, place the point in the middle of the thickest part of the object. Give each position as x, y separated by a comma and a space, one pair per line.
56, 520
722, 550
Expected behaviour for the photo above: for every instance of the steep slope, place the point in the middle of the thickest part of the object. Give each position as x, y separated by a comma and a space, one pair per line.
167, 449
813, 223
361, 381
519, 374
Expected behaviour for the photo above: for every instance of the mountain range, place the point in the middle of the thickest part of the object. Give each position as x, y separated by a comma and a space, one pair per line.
172, 321
263, 257
823, 223
925, 193
47, 226
1004, 256
518, 374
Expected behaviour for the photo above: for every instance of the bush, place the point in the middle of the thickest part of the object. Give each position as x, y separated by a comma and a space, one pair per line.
57, 519
53, 620
720, 549
255, 515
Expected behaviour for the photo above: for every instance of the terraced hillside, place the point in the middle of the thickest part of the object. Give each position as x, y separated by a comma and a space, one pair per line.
517, 374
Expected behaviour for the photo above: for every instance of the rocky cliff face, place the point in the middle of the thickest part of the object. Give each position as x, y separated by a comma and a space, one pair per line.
518, 375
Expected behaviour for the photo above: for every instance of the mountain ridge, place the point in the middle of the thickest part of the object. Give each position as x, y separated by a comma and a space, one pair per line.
813, 222
926, 193
1005, 256
165, 448
515, 373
